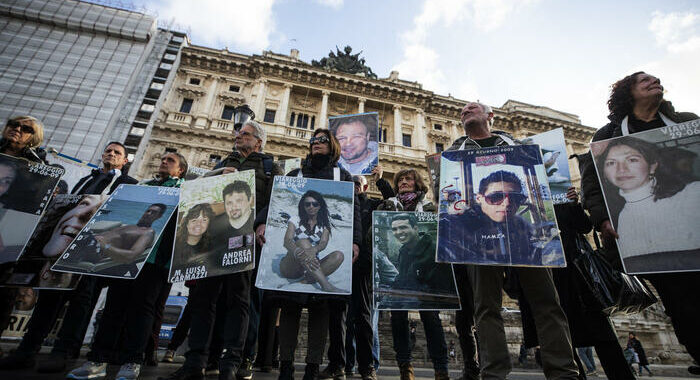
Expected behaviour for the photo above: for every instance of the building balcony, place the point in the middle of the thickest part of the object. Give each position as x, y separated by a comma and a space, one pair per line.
221, 125
179, 118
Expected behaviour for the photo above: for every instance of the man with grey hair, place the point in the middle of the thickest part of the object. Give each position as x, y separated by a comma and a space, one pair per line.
487, 284
240, 327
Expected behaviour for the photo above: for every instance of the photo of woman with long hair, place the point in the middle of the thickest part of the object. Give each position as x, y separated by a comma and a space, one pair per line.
193, 241
305, 242
650, 206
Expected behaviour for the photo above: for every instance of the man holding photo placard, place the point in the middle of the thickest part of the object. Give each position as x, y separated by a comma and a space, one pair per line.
487, 281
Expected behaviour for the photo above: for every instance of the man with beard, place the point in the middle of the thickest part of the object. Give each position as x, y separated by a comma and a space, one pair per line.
358, 155
240, 326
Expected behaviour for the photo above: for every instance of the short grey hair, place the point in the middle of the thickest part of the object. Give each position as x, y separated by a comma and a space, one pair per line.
486, 108
259, 132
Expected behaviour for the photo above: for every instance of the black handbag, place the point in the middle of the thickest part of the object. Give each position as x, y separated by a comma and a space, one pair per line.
613, 291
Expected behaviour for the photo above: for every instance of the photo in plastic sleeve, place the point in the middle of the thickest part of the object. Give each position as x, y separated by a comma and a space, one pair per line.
433, 162
556, 162
406, 276
308, 236
75, 169
651, 186
119, 238
25, 190
289, 164
214, 234
495, 209
63, 219
22, 310
358, 138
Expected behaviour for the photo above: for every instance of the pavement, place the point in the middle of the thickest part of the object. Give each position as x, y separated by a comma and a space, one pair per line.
662, 372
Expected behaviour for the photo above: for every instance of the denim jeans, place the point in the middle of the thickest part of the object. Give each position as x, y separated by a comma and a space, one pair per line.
434, 335
586, 355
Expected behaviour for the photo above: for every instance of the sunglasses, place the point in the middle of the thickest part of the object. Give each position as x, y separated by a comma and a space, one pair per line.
498, 197
311, 204
23, 128
319, 139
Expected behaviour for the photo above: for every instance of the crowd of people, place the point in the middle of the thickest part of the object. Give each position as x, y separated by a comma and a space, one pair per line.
229, 323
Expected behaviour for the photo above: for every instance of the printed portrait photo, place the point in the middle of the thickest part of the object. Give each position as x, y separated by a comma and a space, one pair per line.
214, 234
309, 237
358, 138
406, 276
118, 239
651, 190
495, 209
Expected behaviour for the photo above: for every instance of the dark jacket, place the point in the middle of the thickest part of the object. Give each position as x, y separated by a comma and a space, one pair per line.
367, 206
122, 179
418, 269
32, 154
637, 345
265, 171
592, 192
588, 326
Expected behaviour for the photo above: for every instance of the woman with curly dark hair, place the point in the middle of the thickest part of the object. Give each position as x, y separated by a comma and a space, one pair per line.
193, 237
637, 104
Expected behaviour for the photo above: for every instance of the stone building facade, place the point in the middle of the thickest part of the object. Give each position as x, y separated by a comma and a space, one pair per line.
291, 98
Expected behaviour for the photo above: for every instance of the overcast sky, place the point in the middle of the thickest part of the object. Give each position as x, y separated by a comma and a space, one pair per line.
559, 54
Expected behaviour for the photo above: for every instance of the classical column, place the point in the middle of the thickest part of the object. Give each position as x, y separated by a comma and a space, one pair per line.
322, 119
456, 130
361, 105
398, 138
260, 103
420, 134
281, 116
209, 100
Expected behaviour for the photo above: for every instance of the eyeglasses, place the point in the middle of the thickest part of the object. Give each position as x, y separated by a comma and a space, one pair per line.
498, 197
319, 139
245, 134
23, 128
311, 204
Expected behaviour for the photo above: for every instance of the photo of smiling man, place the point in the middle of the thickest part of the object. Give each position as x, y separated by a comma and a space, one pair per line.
357, 135
406, 274
65, 216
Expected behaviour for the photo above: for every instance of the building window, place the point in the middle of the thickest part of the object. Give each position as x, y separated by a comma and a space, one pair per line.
227, 113
195, 81
382, 135
214, 159
186, 106
302, 120
437, 127
406, 140
269, 116
170, 150
234, 88
439, 147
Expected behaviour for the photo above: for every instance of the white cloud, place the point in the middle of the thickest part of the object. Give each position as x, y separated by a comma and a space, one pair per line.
677, 31
679, 34
422, 63
335, 4
238, 24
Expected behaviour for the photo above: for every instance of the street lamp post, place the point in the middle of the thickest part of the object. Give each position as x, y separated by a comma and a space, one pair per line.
241, 114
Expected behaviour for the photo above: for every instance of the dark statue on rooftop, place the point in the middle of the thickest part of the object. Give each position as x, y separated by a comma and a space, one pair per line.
346, 62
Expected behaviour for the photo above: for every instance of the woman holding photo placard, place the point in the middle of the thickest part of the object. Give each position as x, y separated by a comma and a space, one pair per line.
21, 138
637, 104
324, 310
